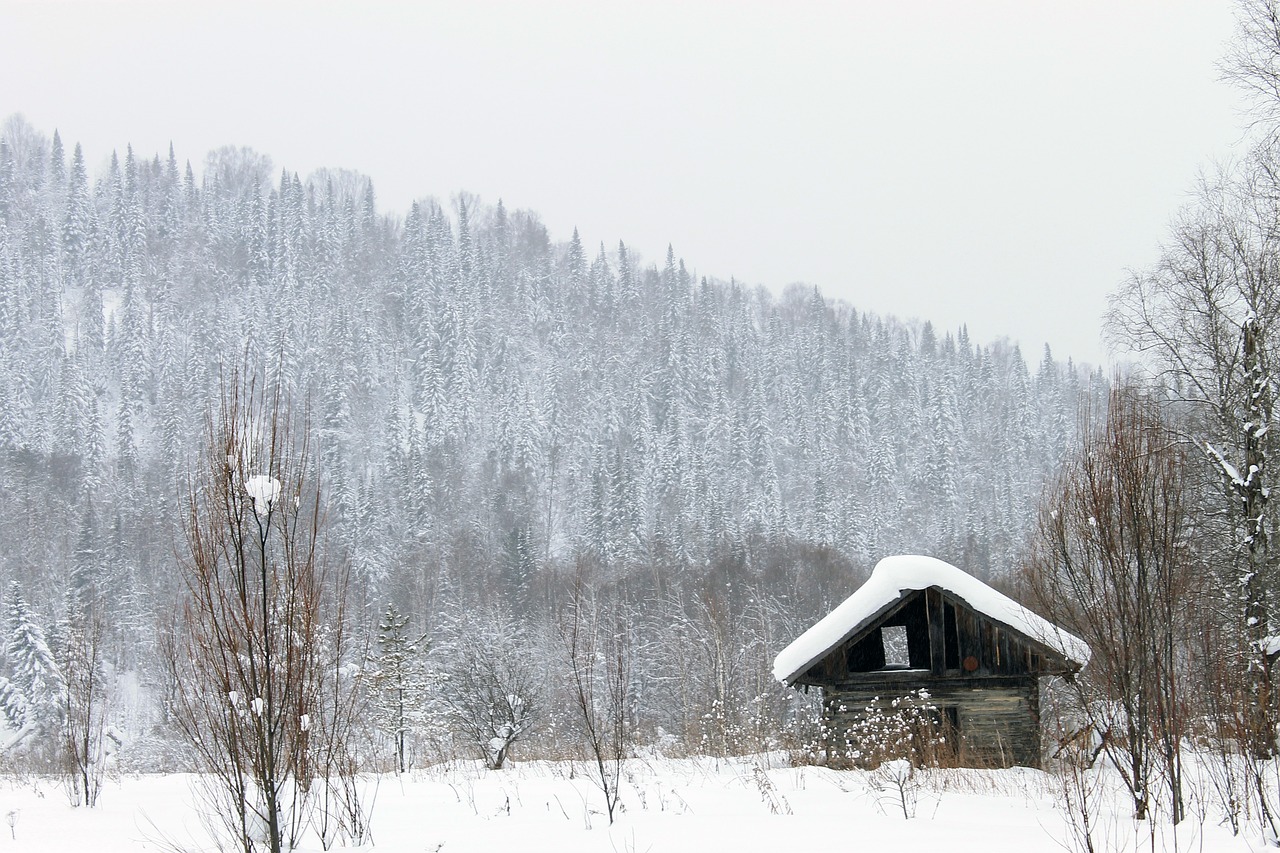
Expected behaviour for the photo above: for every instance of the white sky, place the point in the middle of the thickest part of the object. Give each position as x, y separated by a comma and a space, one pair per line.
995, 163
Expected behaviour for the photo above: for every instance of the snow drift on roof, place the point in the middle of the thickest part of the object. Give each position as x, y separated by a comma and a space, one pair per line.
894, 576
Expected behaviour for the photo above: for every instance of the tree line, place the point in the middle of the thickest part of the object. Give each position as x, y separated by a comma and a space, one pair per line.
341, 492
1155, 540
497, 419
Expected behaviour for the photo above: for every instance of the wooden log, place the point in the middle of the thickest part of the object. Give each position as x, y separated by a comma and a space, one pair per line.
937, 631
969, 637
997, 720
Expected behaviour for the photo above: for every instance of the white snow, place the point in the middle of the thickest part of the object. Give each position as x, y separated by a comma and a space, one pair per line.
1231, 472
894, 576
753, 804
263, 490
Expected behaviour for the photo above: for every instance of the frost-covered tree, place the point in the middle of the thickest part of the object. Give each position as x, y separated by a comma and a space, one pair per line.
495, 405
398, 683
489, 685
33, 691
86, 701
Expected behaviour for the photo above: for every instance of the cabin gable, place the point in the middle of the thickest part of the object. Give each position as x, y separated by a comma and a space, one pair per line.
944, 637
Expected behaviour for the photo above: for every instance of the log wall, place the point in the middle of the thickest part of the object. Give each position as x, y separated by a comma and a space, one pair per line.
997, 718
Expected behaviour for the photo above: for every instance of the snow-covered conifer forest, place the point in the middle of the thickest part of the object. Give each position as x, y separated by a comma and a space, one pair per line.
495, 409
329, 525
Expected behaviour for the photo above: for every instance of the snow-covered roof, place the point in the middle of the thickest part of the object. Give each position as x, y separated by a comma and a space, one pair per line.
894, 577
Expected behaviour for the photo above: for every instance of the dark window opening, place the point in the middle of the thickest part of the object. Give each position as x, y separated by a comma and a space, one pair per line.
867, 655
901, 643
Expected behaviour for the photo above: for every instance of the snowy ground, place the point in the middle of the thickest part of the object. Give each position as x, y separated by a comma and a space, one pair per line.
670, 805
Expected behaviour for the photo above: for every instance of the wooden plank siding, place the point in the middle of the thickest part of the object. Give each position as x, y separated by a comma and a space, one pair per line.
998, 719
937, 631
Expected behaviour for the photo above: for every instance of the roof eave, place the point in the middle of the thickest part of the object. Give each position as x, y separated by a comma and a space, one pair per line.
862, 627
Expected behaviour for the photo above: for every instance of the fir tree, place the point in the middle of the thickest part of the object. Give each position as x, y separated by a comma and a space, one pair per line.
32, 695
399, 683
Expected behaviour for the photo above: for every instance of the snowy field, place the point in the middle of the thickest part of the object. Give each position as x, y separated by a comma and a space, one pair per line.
752, 804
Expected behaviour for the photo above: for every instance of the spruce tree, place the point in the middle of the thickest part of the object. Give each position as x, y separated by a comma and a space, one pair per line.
399, 682
32, 695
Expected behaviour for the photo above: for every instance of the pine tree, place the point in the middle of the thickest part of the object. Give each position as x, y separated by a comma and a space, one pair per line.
399, 683
577, 264
8, 181
56, 186
32, 695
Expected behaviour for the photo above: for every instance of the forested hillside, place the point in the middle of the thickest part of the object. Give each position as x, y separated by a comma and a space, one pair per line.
495, 406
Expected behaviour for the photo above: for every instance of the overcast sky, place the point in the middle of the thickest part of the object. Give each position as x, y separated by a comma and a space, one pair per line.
992, 163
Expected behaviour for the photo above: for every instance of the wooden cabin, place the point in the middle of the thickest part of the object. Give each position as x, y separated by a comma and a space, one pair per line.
919, 623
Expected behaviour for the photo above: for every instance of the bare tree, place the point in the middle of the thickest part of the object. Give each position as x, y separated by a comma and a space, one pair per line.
1111, 563
598, 649
245, 648
489, 686
86, 702
345, 810
1205, 321
236, 171
702, 667
1252, 61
